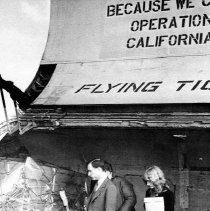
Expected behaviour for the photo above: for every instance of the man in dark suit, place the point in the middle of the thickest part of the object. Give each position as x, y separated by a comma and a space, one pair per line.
125, 188
105, 196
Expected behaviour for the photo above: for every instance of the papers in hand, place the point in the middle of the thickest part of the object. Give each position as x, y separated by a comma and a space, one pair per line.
64, 198
154, 204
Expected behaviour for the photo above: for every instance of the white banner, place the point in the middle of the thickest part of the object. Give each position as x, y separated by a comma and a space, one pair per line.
156, 28
98, 30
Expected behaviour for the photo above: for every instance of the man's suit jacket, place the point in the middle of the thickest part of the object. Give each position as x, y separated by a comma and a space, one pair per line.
105, 198
127, 194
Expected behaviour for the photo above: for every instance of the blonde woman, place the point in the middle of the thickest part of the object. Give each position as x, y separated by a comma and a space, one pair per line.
157, 187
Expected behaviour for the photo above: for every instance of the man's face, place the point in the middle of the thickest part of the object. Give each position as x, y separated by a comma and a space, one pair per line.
94, 173
109, 174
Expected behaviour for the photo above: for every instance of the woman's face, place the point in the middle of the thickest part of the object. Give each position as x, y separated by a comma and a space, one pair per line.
149, 183
151, 179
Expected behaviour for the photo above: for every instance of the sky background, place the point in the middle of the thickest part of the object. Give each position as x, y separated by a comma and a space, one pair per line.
24, 28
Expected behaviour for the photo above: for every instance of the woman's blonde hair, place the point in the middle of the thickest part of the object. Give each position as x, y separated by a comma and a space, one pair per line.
156, 176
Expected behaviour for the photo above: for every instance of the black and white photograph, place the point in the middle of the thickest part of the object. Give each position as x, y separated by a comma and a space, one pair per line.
105, 105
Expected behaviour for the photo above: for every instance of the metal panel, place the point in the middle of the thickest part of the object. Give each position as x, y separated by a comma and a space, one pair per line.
145, 81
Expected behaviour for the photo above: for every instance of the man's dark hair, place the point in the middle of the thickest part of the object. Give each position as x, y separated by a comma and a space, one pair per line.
109, 167
104, 165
